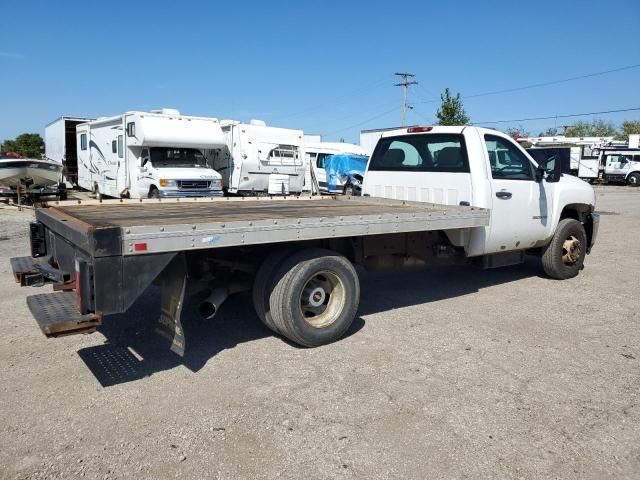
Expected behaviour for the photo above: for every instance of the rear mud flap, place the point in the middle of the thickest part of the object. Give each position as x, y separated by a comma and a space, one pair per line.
173, 282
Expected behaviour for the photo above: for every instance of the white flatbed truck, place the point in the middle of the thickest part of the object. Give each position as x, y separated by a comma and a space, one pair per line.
297, 255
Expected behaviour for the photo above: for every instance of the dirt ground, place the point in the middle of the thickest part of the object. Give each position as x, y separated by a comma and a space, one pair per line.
446, 373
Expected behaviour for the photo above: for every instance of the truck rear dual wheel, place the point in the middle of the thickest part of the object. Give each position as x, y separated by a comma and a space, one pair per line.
564, 256
313, 296
263, 286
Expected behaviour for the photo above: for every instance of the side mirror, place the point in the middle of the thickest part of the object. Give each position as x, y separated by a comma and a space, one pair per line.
549, 169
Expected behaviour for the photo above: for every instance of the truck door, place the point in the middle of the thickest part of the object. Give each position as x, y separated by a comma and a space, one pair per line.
520, 212
617, 164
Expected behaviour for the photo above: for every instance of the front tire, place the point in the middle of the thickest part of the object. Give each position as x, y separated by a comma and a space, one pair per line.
315, 297
634, 179
154, 193
564, 257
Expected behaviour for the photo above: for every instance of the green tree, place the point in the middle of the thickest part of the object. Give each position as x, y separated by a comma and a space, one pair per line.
629, 127
451, 111
549, 132
29, 145
596, 128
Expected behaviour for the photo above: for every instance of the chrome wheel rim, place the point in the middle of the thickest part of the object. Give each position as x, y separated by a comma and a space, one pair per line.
571, 250
322, 299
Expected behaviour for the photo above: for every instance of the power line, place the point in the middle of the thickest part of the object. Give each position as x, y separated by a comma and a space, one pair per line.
361, 123
544, 84
557, 116
405, 87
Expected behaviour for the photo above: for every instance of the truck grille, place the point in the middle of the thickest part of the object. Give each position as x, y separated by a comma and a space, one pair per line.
193, 184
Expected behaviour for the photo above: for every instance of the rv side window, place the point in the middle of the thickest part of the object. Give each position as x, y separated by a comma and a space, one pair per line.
131, 129
83, 141
120, 152
114, 147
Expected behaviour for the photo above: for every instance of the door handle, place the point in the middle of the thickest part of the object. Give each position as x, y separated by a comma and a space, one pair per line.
504, 195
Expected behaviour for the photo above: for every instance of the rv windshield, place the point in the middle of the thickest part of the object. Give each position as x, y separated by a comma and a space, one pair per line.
177, 157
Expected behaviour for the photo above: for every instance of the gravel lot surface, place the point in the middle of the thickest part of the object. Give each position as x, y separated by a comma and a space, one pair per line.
446, 373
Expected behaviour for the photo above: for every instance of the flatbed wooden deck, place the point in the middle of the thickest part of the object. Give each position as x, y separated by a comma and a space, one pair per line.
186, 224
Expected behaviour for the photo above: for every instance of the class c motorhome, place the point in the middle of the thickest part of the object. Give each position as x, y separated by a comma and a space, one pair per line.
149, 155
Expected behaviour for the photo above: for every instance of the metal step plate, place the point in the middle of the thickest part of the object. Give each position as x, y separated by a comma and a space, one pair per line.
56, 314
23, 266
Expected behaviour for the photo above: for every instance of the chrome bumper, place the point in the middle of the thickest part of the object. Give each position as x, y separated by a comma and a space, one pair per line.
190, 193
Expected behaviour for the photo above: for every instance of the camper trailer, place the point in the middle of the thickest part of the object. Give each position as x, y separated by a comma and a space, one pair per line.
149, 155
338, 167
260, 160
60, 145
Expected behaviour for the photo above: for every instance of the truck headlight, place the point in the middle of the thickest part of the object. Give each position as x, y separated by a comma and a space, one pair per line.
216, 183
164, 182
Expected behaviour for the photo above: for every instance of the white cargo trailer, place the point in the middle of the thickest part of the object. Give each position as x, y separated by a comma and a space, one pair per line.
60, 145
258, 159
149, 155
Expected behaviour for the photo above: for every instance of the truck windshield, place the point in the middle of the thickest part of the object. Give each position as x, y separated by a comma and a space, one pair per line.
177, 157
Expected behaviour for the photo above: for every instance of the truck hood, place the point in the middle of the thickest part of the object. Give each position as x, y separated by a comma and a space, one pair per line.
173, 173
578, 189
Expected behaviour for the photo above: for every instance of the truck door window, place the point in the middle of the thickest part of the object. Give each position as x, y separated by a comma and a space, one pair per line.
506, 160
322, 159
433, 152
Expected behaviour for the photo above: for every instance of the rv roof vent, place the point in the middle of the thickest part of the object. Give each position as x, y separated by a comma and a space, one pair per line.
260, 123
167, 111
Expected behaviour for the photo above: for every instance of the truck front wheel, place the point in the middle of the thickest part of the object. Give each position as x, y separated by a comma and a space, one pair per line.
564, 257
634, 179
315, 297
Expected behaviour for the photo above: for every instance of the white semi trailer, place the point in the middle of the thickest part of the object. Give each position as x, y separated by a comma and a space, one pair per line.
149, 155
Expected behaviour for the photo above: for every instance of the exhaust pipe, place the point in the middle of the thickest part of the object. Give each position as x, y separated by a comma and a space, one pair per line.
210, 305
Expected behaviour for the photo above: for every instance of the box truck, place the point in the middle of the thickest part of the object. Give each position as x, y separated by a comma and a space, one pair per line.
60, 146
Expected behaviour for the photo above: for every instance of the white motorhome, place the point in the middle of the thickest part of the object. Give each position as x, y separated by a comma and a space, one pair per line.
149, 155
60, 145
317, 154
258, 159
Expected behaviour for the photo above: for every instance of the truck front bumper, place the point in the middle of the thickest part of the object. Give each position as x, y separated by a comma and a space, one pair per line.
190, 193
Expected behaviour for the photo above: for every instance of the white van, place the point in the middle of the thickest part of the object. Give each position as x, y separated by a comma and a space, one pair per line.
148, 155
317, 154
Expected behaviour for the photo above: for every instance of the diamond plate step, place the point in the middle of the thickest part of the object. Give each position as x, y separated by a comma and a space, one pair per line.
56, 314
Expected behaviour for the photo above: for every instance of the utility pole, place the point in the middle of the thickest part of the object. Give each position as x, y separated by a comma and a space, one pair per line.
405, 87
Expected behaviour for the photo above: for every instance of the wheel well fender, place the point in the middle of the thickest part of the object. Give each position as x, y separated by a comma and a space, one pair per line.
582, 213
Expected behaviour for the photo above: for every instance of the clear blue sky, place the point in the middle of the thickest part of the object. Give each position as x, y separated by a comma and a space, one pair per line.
325, 66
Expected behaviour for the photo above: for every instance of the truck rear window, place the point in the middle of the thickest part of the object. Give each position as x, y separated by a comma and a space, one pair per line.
431, 152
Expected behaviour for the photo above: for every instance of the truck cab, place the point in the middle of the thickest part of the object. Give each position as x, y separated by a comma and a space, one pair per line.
462, 165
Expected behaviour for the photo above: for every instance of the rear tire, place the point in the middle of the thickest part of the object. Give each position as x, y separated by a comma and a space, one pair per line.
315, 297
96, 191
634, 179
263, 286
564, 256
348, 190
